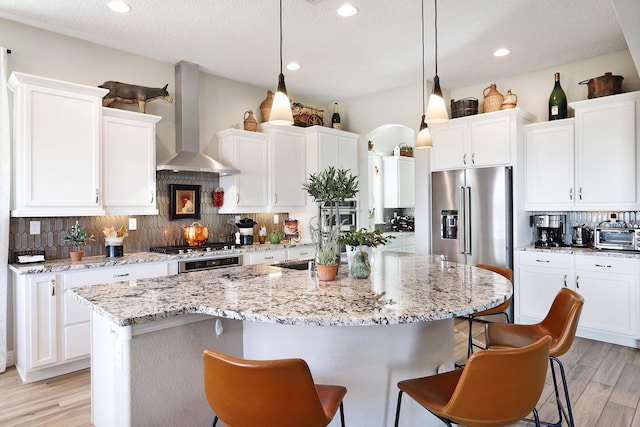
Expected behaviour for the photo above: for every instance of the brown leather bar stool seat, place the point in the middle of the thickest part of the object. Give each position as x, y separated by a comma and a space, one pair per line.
560, 323
501, 309
268, 393
496, 387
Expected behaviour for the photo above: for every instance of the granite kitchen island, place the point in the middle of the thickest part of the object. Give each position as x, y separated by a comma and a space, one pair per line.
148, 335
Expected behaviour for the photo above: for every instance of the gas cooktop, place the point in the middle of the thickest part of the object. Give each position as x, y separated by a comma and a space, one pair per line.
185, 249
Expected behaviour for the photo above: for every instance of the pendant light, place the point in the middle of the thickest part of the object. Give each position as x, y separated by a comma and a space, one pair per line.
436, 110
281, 113
424, 136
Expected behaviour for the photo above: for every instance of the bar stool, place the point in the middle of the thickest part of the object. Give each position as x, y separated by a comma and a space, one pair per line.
501, 309
268, 393
560, 323
495, 388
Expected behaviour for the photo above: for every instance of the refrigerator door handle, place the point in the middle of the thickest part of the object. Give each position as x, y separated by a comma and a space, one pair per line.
467, 219
461, 222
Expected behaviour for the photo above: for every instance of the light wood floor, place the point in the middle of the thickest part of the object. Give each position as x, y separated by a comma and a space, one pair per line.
604, 384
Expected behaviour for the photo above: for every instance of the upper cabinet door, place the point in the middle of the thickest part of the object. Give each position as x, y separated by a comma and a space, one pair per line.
607, 152
57, 147
248, 191
549, 170
490, 142
288, 169
450, 141
129, 162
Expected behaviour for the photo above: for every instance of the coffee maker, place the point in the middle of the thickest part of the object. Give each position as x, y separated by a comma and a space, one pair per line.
548, 230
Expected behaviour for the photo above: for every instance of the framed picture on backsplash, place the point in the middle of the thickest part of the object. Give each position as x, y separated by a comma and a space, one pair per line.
184, 201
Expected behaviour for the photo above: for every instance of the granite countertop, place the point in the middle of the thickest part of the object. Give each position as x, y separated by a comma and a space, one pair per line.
419, 290
62, 265
582, 251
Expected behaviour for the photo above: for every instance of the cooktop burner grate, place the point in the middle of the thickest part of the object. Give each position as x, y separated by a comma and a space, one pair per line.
183, 249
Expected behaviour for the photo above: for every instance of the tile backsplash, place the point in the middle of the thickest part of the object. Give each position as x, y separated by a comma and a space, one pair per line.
152, 230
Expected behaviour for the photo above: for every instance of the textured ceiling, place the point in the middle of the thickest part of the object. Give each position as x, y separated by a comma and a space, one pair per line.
341, 58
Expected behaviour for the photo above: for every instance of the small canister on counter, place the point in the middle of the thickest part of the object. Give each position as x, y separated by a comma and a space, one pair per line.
114, 247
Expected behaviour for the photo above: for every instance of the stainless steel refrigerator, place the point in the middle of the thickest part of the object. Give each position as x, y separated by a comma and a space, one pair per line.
472, 215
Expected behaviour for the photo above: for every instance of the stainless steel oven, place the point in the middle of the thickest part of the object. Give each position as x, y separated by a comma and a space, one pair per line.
348, 212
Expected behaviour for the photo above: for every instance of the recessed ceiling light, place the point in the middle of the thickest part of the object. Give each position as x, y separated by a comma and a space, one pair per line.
502, 52
347, 10
119, 6
293, 66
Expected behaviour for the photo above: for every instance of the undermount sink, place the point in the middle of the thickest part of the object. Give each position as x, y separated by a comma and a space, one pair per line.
294, 265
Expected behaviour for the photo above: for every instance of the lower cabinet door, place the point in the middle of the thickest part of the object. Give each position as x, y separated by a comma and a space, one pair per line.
610, 302
537, 289
42, 311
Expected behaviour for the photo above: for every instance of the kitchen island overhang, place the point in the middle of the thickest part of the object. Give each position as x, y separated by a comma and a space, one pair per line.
365, 334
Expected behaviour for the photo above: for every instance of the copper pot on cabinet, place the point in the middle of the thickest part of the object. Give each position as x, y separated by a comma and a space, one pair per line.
605, 85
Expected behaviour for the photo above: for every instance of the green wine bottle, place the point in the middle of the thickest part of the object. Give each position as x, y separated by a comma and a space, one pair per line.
557, 101
335, 119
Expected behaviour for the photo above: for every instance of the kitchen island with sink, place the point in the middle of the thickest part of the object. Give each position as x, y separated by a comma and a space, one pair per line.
367, 334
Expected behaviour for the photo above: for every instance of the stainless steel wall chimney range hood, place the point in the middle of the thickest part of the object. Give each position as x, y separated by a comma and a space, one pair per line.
188, 156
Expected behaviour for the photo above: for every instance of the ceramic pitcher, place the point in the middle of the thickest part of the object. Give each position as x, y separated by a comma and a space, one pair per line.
250, 122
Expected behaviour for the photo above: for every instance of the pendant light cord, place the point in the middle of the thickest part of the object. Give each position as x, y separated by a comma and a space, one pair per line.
423, 78
281, 38
435, 7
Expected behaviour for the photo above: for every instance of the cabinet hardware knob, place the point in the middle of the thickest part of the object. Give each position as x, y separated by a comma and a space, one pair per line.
53, 288
473, 158
565, 280
121, 275
275, 196
268, 257
151, 197
464, 159
571, 194
578, 282
542, 260
97, 194
237, 198
580, 193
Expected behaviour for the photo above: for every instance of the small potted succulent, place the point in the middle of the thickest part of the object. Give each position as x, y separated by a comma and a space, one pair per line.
362, 241
327, 244
77, 236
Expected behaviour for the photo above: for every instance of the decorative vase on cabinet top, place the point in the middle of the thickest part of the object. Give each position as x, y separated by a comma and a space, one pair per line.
510, 100
250, 122
265, 107
492, 99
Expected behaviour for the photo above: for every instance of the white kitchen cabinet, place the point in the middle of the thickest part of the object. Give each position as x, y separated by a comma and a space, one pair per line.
129, 162
248, 191
301, 252
477, 141
265, 257
331, 147
549, 165
399, 182
540, 276
607, 152
52, 329
56, 147
287, 167
608, 284
610, 290
36, 315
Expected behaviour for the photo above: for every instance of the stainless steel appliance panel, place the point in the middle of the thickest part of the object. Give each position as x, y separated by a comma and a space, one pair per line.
472, 221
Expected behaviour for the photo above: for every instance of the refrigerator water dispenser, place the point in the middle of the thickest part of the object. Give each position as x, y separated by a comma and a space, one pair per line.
449, 224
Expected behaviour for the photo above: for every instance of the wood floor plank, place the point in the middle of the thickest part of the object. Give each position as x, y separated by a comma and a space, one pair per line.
626, 391
587, 410
611, 367
597, 352
616, 415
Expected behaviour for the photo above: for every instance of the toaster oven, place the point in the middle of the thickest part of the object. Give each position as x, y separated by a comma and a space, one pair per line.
622, 239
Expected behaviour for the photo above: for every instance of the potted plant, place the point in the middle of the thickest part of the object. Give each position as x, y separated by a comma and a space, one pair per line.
363, 240
329, 188
327, 244
77, 236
